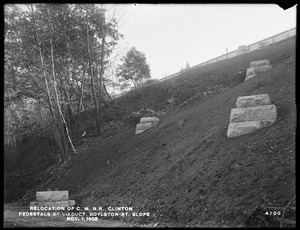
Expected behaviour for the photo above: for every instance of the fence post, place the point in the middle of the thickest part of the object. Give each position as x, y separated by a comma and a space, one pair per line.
226, 57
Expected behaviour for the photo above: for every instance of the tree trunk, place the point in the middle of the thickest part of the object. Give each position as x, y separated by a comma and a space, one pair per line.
115, 106
69, 109
79, 108
42, 120
44, 133
56, 129
73, 70
91, 74
81, 94
86, 113
105, 90
62, 123
57, 136
101, 67
50, 151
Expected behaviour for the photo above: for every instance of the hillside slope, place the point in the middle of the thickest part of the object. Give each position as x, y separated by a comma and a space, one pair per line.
193, 175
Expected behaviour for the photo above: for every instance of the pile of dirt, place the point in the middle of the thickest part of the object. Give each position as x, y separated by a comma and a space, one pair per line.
185, 171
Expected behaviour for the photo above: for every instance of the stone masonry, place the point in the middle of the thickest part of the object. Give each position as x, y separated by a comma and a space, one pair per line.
146, 123
252, 113
256, 67
52, 199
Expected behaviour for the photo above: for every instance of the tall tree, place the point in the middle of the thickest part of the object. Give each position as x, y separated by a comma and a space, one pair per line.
91, 72
47, 58
187, 66
62, 124
134, 68
101, 65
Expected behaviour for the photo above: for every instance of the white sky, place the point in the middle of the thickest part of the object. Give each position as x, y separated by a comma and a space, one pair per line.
170, 35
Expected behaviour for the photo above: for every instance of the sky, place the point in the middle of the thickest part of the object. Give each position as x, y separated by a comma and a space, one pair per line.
170, 35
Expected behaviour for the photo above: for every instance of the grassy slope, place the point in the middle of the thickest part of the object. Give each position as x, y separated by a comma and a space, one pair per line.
195, 175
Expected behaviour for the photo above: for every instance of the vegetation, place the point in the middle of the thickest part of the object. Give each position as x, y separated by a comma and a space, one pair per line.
56, 56
187, 65
134, 68
188, 151
58, 63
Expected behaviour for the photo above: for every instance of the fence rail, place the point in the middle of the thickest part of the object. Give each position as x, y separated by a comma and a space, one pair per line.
270, 40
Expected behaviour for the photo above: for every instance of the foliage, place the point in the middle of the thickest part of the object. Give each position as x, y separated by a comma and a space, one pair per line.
134, 68
150, 82
22, 59
187, 66
30, 34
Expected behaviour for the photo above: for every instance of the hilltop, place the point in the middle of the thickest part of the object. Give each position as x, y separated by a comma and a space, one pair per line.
192, 174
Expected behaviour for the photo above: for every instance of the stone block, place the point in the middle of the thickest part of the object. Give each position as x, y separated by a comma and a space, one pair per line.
242, 128
255, 64
171, 100
253, 100
63, 203
250, 73
255, 113
263, 68
144, 126
149, 120
138, 131
244, 48
52, 196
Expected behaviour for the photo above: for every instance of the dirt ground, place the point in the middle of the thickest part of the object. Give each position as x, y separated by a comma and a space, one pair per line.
185, 171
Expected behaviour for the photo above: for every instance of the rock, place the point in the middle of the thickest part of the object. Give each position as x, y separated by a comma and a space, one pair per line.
253, 100
250, 73
180, 124
93, 193
242, 50
149, 120
63, 203
263, 68
146, 112
52, 196
146, 123
150, 112
242, 128
256, 113
171, 100
144, 126
255, 64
